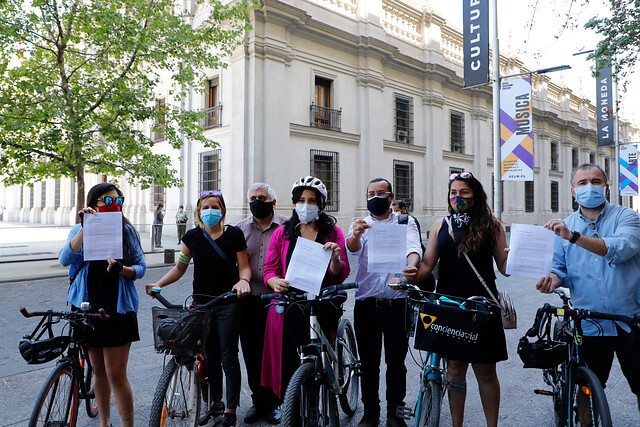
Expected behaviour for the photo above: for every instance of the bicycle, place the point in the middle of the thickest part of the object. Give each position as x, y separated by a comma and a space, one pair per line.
433, 375
176, 401
324, 373
578, 397
72, 378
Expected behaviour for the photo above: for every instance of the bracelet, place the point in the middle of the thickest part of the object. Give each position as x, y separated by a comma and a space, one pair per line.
244, 278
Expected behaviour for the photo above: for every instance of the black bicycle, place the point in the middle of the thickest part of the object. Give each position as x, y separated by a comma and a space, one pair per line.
72, 378
324, 373
180, 331
578, 396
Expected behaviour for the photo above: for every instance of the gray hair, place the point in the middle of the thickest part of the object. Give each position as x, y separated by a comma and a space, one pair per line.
589, 166
257, 185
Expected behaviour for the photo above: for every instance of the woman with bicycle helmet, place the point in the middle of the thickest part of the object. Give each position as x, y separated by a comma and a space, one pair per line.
220, 264
286, 331
108, 284
470, 228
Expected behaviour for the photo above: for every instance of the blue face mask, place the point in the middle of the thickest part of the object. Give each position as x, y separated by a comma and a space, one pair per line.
210, 217
306, 213
590, 196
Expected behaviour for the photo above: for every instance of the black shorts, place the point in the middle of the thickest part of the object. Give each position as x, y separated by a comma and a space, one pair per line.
116, 331
598, 354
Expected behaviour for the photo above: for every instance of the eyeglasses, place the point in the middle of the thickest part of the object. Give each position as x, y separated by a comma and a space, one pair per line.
462, 175
380, 193
215, 193
108, 200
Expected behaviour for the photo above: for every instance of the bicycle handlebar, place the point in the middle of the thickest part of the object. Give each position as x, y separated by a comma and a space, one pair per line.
101, 314
299, 297
155, 292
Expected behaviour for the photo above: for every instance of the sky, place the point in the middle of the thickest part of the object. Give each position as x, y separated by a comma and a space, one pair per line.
533, 31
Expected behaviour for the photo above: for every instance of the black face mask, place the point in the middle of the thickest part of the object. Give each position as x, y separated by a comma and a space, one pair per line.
378, 205
261, 209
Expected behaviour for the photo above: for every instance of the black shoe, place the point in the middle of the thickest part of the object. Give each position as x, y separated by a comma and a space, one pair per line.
252, 415
229, 420
369, 420
274, 416
216, 410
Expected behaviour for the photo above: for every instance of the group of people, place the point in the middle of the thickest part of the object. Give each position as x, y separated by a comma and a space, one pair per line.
597, 256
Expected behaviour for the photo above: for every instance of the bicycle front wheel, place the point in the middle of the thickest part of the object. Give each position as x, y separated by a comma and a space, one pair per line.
347, 351
176, 401
307, 402
57, 404
429, 403
589, 403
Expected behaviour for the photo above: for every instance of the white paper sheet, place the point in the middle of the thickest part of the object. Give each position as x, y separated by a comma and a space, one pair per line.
102, 236
530, 251
387, 248
308, 266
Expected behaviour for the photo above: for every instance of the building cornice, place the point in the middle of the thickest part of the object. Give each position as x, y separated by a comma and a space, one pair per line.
323, 134
458, 156
403, 147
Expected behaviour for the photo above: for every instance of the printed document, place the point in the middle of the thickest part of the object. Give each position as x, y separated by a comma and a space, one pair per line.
530, 251
308, 266
102, 236
387, 248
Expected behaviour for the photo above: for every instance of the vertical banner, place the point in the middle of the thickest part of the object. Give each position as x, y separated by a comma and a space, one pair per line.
628, 170
516, 130
604, 102
475, 38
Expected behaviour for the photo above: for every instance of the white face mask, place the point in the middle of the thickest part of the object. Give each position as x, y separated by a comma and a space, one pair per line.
306, 213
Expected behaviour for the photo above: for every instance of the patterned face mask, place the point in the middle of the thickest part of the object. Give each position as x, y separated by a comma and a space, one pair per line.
461, 204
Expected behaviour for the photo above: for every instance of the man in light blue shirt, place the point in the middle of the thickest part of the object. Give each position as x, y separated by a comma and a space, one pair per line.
597, 256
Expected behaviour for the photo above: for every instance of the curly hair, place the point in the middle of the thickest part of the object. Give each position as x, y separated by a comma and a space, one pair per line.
482, 224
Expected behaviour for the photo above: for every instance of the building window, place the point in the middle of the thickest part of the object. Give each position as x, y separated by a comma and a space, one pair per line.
213, 112
554, 196
210, 170
31, 197
455, 170
575, 158
56, 194
592, 158
403, 120
158, 196
72, 192
528, 196
554, 156
21, 196
43, 194
158, 131
325, 165
457, 132
321, 114
403, 182
607, 167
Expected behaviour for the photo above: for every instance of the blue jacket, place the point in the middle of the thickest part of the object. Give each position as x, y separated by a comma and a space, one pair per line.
127, 295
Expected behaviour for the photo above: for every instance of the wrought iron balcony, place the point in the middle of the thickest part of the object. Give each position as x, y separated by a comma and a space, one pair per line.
325, 118
213, 117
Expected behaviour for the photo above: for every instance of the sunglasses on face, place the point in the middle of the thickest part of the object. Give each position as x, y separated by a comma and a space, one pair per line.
462, 175
215, 193
108, 200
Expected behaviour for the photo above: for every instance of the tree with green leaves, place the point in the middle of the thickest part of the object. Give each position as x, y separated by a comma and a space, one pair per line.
79, 78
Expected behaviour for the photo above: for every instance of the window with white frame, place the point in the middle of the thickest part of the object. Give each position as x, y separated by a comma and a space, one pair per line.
554, 156
326, 166
403, 182
457, 131
158, 196
158, 131
209, 165
554, 196
592, 158
575, 158
403, 119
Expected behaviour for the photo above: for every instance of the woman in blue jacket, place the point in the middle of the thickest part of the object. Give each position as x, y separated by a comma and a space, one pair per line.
108, 284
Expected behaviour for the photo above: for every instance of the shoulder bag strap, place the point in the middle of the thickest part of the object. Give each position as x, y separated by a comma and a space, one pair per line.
218, 250
448, 220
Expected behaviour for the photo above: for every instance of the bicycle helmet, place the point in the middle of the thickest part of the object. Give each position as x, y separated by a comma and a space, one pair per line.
42, 351
542, 354
313, 183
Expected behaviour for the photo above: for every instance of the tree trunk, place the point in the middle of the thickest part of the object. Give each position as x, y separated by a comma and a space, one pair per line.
79, 189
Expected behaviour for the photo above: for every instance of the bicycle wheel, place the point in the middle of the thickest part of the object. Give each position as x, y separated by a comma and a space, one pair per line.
347, 351
57, 403
176, 401
589, 403
429, 404
91, 403
307, 402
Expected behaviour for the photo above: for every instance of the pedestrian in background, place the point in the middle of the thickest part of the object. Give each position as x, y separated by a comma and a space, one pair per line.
181, 222
399, 206
158, 221
258, 229
108, 284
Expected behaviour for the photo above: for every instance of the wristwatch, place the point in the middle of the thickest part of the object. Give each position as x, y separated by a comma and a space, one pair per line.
574, 237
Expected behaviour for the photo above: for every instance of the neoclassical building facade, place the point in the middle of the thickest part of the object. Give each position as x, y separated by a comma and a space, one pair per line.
350, 90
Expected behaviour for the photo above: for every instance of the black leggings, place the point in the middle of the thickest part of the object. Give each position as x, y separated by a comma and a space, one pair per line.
221, 347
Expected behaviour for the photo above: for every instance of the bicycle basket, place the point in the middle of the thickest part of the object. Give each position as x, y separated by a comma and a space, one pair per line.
542, 354
450, 331
42, 351
180, 332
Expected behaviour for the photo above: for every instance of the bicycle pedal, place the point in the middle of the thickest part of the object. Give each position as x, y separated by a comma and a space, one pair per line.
405, 412
544, 392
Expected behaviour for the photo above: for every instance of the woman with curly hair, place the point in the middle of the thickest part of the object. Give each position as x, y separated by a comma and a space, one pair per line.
480, 235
